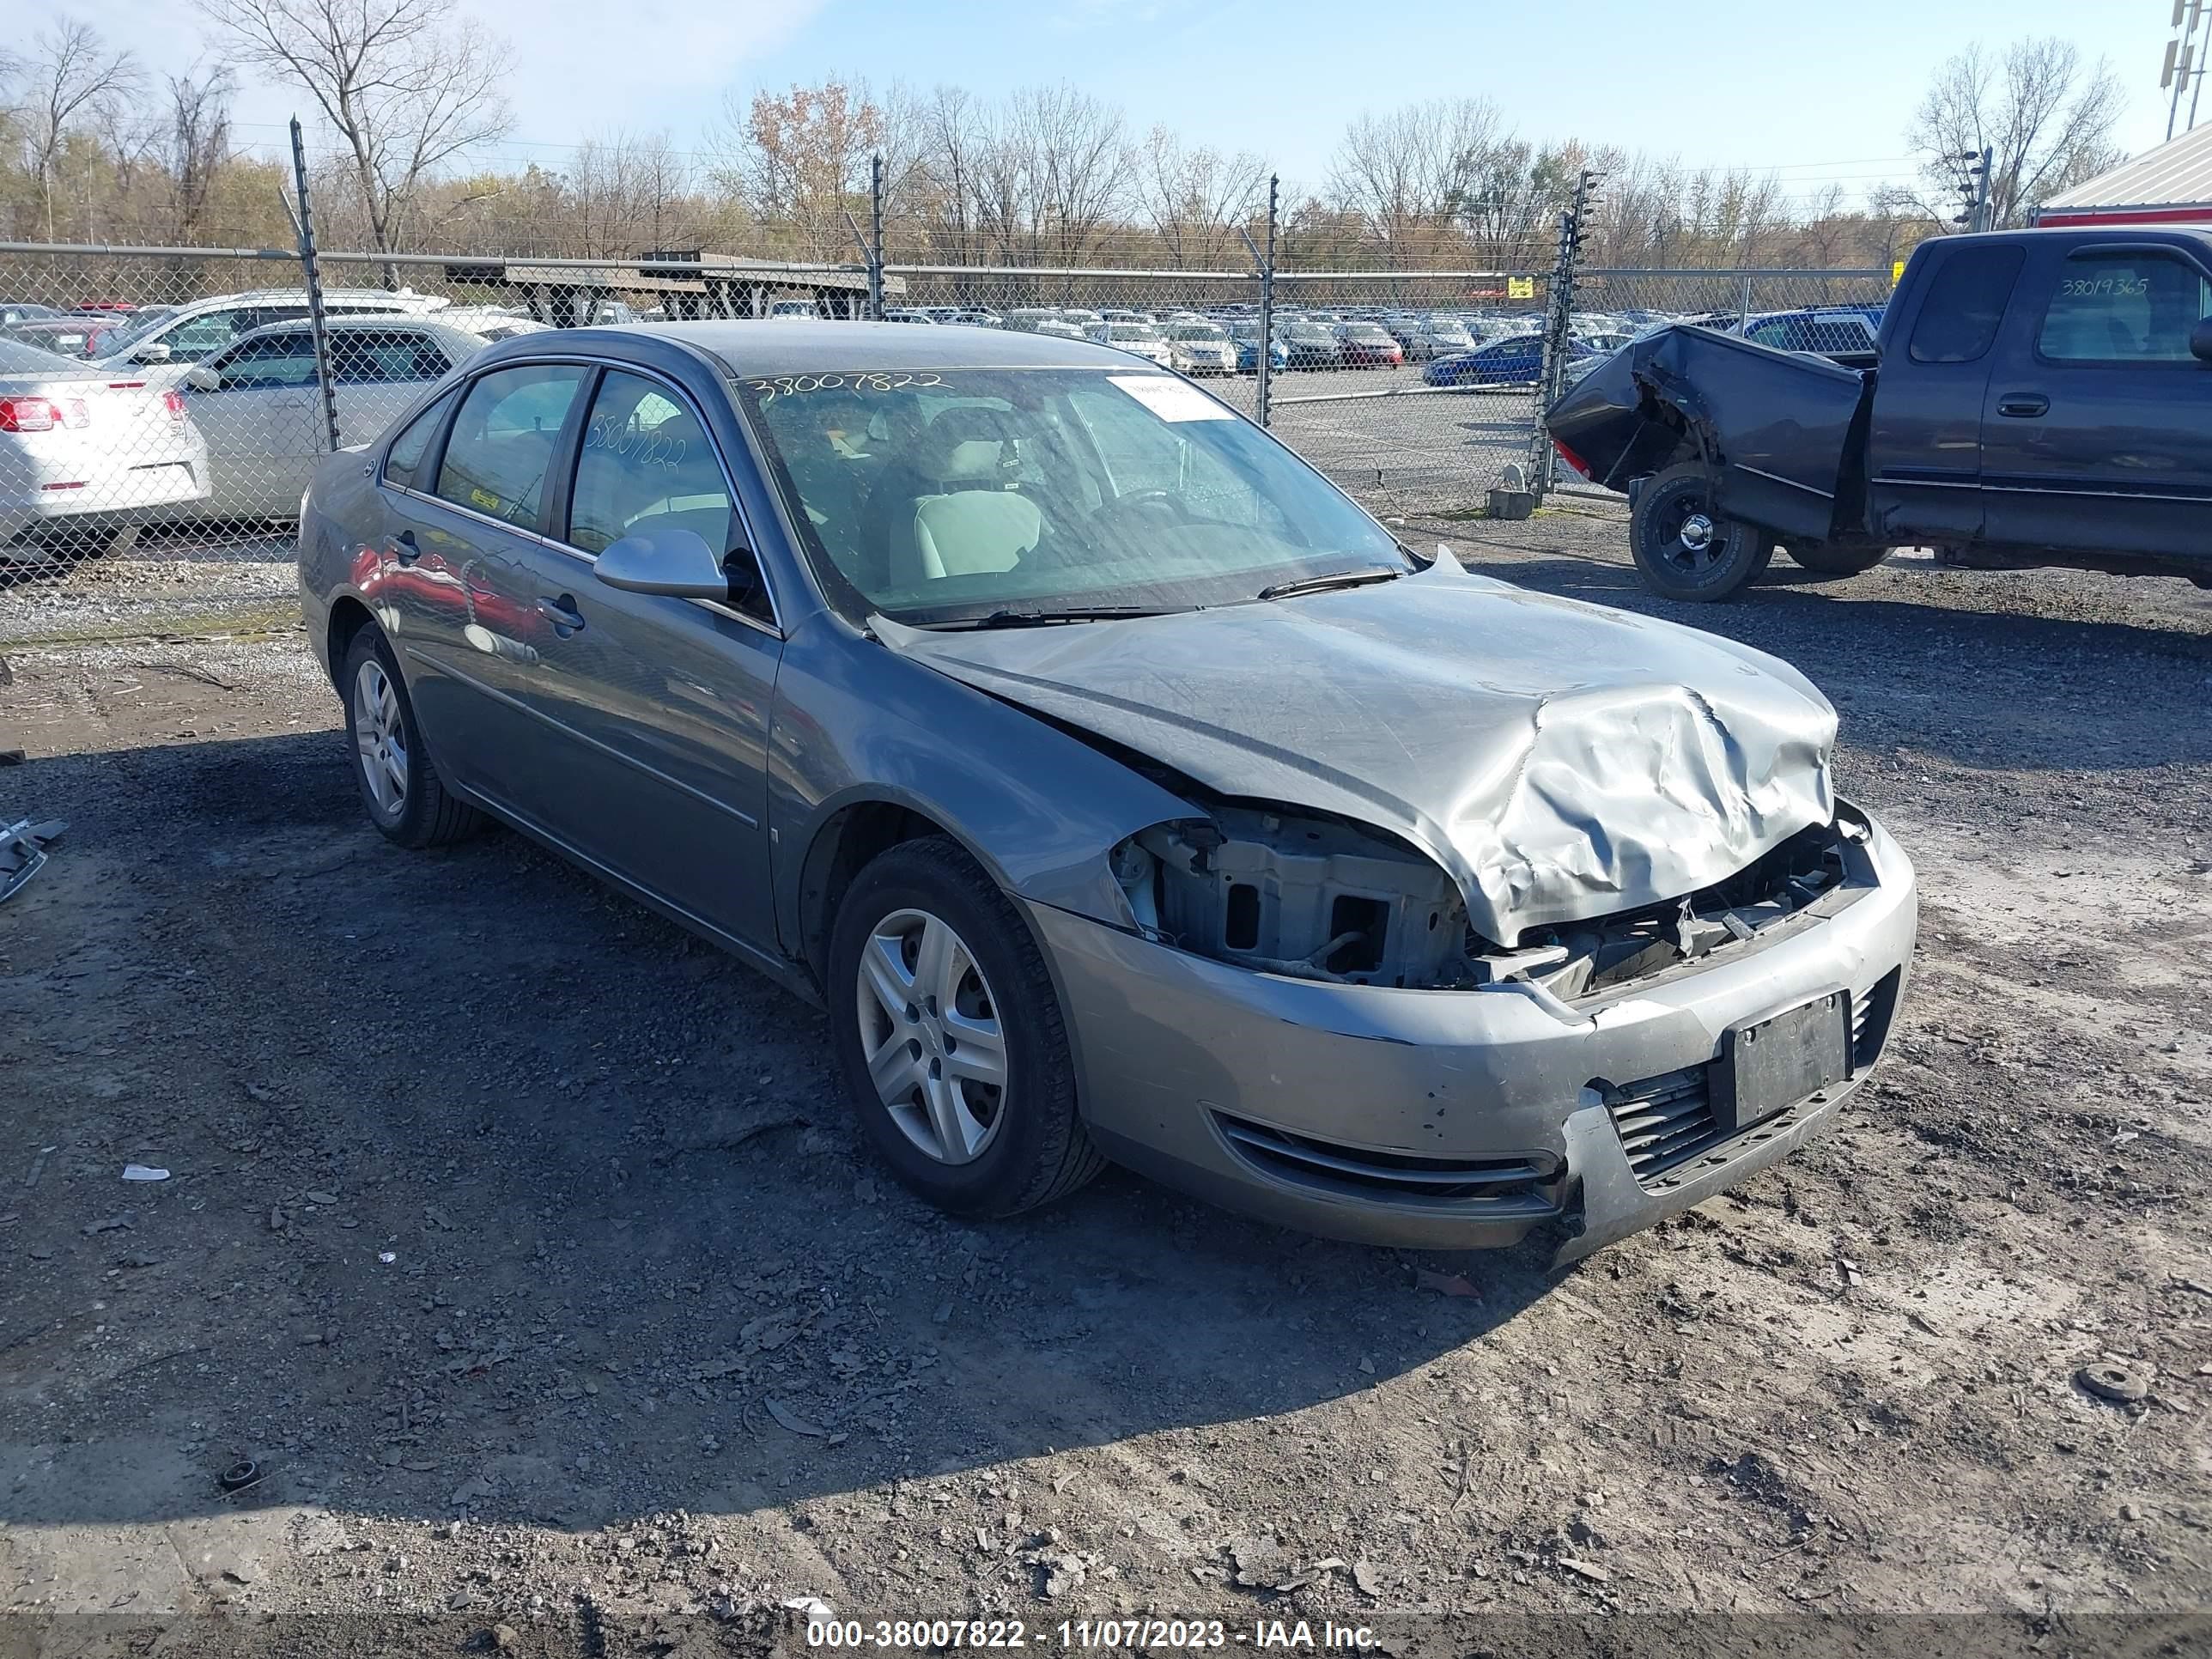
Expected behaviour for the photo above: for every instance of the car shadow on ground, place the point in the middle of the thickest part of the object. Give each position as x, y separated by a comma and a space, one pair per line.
492, 1194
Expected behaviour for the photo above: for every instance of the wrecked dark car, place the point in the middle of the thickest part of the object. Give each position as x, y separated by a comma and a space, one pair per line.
2037, 397
1121, 788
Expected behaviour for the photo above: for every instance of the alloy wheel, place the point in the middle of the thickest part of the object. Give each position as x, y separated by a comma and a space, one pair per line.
931, 1033
379, 737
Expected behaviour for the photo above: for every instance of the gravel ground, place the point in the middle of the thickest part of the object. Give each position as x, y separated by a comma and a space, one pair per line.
523, 1245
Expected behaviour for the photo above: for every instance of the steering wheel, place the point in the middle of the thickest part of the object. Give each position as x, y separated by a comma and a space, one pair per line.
1140, 501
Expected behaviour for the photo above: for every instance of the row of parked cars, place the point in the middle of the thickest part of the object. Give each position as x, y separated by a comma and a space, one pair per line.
115, 417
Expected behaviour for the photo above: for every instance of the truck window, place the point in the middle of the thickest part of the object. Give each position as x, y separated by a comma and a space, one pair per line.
2124, 307
1960, 311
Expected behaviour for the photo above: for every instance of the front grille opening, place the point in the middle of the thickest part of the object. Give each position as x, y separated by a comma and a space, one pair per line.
1240, 923
1509, 1183
1870, 1017
1367, 920
1663, 1121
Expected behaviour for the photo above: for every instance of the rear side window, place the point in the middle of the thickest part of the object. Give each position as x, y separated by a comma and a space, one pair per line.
407, 449
275, 359
503, 439
373, 357
1959, 313
2124, 307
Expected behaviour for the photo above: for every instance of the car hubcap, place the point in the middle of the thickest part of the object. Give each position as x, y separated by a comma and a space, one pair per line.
380, 738
930, 1032
1697, 534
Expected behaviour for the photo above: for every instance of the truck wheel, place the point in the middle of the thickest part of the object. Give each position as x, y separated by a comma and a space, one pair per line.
1828, 559
1682, 549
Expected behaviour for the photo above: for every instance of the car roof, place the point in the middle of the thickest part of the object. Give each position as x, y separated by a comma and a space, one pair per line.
762, 348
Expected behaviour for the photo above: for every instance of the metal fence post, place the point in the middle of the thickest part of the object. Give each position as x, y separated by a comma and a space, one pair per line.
1557, 330
314, 282
876, 238
1265, 365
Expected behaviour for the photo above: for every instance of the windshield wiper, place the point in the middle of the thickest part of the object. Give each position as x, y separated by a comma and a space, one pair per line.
1322, 584
1052, 618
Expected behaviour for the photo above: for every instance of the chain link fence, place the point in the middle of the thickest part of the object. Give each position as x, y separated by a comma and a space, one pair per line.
174, 400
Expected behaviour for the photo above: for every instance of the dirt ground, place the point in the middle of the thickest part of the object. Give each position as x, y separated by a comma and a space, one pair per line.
523, 1246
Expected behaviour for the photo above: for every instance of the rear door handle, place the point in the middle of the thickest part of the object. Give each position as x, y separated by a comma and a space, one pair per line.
2023, 405
562, 614
404, 548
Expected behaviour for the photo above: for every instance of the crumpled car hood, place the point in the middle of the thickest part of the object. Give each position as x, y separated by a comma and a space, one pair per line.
1561, 760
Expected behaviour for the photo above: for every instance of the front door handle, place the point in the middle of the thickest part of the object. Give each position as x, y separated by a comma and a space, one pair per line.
562, 614
2023, 405
404, 548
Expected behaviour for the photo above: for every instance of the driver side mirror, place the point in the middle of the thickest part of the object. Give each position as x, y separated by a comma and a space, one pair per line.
152, 352
678, 564
201, 378
2200, 340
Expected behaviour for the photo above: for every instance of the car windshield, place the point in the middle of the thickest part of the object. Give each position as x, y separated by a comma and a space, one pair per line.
137, 330
947, 496
1364, 332
1198, 331
1132, 332
1307, 332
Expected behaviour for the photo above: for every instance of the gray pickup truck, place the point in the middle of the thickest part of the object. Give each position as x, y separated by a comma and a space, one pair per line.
2035, 398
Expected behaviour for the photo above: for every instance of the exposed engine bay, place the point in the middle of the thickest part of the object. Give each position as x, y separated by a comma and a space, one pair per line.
1311, 897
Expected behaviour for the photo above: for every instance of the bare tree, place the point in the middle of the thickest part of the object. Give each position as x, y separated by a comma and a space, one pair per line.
1075, 151
196, 145
1198, 198
1408, 175
406, 90
71, 75
2047, 117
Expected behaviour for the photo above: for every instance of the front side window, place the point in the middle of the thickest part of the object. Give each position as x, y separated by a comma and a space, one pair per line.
405, 455
646, 464
1959, 317
946, 495
504, 435
2124, 307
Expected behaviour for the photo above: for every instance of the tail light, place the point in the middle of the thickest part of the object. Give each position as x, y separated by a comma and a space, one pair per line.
1572, 458
174, 402
41, 413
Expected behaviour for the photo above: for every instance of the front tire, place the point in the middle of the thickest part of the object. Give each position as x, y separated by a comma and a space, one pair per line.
1828, 559
399, 787
1683, 548
951, 1041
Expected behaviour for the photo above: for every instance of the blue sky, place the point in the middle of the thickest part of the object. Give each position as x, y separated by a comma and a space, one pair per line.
1815, 94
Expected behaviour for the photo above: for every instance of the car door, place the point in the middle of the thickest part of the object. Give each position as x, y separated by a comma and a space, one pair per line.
2097, 425
262, 423
457, 578
1924, 438
661, 704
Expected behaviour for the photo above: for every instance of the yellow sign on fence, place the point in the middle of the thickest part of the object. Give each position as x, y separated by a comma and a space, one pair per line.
1896, 272
1520, 288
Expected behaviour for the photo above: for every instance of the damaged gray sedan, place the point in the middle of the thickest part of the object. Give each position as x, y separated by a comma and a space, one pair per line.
1120, 786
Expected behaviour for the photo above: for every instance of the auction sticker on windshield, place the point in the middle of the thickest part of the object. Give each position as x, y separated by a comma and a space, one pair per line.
1172, 400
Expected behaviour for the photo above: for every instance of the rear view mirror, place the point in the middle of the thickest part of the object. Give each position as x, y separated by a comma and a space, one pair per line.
2200, 340
201, 378
675, 563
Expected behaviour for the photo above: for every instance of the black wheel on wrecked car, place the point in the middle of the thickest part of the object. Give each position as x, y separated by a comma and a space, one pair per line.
1683, 548
400, 789
950, 1039
1830, 559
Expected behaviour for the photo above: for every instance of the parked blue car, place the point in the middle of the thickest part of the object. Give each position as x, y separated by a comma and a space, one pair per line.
1517, 360
1248, 351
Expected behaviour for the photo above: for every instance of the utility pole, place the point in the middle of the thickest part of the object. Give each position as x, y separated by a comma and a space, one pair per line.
2181, 54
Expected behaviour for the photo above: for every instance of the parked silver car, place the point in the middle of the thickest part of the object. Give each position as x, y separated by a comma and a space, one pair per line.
1121, 787
257, 403
86, 452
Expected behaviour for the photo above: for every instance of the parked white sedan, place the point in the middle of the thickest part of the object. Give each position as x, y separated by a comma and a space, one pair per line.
257, 403
86, 452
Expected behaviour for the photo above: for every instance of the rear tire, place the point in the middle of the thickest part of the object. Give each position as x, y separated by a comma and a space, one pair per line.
1683, 550
917, 1048
1828, 559
400, 786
